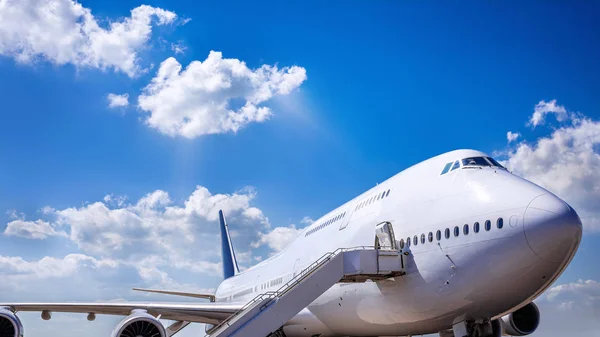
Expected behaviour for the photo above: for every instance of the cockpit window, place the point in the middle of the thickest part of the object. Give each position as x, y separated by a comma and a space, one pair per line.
455, 166
446, 168
475, 161
494, 162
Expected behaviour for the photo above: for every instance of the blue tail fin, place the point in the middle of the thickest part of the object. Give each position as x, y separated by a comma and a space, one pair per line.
230, 266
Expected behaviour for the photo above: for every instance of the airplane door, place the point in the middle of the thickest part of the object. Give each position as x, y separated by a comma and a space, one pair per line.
349, 216
297, 267
384, 236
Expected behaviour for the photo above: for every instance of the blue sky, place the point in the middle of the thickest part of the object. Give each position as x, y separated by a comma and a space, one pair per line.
361, 91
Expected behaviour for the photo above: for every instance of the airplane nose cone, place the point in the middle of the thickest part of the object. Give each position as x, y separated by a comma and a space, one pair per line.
552, 228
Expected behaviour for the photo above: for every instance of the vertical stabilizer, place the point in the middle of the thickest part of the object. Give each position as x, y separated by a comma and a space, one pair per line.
230, 266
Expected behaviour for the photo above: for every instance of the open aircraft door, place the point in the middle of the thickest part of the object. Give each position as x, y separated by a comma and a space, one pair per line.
384, 236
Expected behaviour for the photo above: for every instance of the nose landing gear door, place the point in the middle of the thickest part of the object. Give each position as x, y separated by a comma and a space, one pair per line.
384, 236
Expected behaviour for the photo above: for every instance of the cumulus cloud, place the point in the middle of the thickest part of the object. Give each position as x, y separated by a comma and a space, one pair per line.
153, 229
277, 238
214, 96
31, 229
582, 292
65, 32
512, 136
544, 108
117, 101
17, 268
566, 162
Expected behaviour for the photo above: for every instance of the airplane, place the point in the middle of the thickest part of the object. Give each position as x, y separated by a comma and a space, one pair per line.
480, 245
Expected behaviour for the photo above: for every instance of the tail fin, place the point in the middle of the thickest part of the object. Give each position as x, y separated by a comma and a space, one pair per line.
230, 266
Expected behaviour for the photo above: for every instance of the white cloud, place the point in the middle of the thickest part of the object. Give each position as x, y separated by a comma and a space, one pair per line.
109, 199
152, 228
178, 48
277, 238
214, 96
575, 293
65, 32
566, 163
17, 268
307, 220
12, 214
512, 136
543, 108
117, 101
31, 229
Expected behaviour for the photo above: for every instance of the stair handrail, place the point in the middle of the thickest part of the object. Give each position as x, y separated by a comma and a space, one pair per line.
311, 268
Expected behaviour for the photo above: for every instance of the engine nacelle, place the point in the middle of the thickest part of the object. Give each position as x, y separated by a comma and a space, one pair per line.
10, 324
521, 322
139, 324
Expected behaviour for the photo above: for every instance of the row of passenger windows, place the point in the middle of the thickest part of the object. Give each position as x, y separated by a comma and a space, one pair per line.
271, 283
471, 161
364, 203
263, 286
438, 235
326, 223
243, 293
372, 199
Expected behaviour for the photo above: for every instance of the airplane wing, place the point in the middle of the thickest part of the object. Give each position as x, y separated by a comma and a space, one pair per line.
211, 313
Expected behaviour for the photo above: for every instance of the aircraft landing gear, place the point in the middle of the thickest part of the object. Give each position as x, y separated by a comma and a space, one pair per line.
485, 328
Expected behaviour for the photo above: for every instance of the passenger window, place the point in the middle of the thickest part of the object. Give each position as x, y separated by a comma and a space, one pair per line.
455, 166
476, 227
456, 231
430, 237
422, 238
446, 168
447, 233
466, 230
401, 243
388, 193
500, 223
438, 235
415, 240
488, 225
408, 241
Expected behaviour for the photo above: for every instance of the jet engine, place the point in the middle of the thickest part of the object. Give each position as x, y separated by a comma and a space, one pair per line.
10, 324
521, 322
139, 324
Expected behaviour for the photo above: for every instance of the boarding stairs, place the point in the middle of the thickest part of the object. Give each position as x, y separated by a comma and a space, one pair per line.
267, 312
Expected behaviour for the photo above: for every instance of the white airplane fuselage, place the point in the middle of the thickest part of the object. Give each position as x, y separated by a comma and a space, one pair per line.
479, 275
